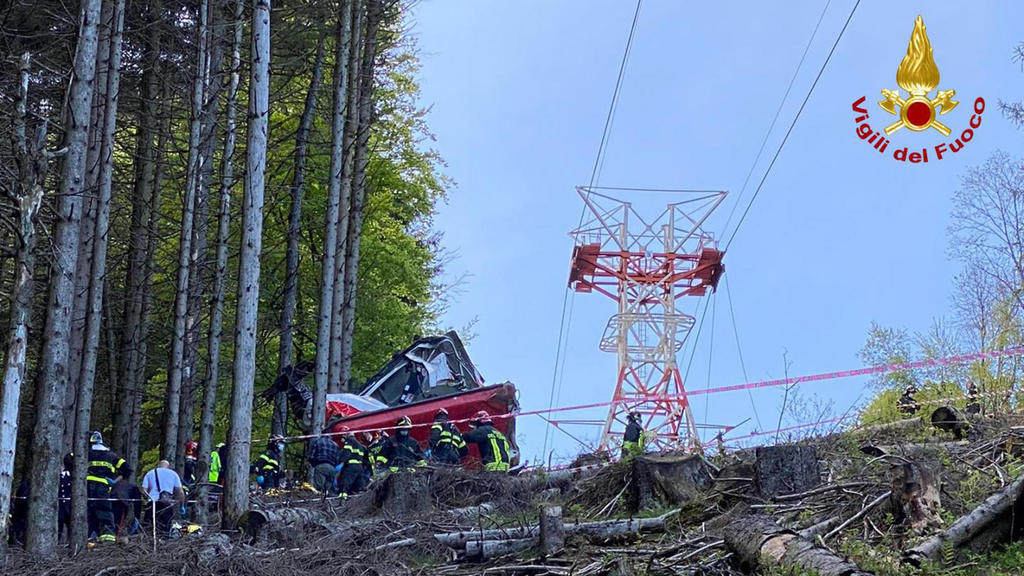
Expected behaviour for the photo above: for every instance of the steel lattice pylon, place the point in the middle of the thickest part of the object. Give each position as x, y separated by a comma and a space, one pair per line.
645, 266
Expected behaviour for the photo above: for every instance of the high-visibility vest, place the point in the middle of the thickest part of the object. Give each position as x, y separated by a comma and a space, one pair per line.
214, 466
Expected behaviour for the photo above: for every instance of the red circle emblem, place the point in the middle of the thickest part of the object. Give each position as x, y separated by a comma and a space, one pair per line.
919, 114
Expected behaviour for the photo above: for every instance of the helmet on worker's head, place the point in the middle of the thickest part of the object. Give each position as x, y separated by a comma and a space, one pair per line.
69, 460
634, 415
910, 389
403, 423
345, 431
442, 414
191, 449
276, 442
95, 437
366, 436
481, 418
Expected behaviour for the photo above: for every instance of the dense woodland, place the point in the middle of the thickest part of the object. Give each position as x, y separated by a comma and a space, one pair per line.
195, 195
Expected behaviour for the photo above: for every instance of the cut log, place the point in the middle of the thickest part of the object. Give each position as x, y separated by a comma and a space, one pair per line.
667, 479
949, 419
905, 425
280, 520
483, 549
1002, 507
786, 469
758, 541
915, 495
552, 531
605, 529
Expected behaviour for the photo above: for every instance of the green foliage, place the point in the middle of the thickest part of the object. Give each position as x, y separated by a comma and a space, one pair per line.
883, 407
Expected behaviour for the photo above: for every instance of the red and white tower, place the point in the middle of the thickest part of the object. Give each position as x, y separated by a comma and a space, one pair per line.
646, 266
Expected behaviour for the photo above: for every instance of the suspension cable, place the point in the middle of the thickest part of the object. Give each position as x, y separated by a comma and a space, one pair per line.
792, 125
563, 325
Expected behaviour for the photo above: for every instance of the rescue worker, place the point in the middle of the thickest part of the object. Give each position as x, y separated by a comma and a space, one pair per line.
973, 405
907, 404
351, 466
379, 449
403, 452
634, 440
268, 466
323, 456
493, 446
447, 447
64, 498
104, 469
191, 451
215, 464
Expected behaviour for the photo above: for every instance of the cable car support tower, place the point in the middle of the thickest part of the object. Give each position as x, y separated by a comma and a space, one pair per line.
646, 266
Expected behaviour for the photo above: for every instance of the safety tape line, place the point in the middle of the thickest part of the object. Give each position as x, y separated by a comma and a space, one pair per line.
869, 371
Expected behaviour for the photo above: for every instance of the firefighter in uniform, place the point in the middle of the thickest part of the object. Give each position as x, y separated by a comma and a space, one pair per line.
447, 447
189, 478
351, 467
493, 446
973, 405
268, 466
907, 404
104, 468
403, 452
378, 452
634, 440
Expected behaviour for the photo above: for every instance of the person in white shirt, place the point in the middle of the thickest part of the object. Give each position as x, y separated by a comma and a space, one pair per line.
164, 488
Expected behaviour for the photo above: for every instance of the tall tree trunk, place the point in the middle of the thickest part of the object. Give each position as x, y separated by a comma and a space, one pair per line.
53, 373
374, 14
328, 277
94, 303
31, 162
337, 384
200, 227
147, 287
220, 273
172, 402
92, 177
141, 226
291, 273
236, 488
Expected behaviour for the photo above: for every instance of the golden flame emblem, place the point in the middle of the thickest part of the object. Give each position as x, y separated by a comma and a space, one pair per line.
918, 75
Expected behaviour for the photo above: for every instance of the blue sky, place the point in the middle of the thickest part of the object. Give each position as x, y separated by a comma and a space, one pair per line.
839, 236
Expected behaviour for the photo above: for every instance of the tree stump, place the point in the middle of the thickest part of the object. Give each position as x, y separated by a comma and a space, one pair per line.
915, 495
552, 531
786, 469
404, 493
667, 479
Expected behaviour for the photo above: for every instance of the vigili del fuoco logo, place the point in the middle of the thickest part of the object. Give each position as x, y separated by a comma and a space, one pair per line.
918, 76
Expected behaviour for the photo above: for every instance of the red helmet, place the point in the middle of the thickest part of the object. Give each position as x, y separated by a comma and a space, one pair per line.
345, 431
191, 449
482, 417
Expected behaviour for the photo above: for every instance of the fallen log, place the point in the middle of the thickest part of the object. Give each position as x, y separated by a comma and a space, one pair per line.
603, 529
758, 540
895, 426
483, 549
279, 519
999, 505
949, 419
